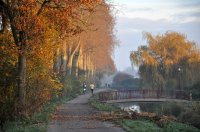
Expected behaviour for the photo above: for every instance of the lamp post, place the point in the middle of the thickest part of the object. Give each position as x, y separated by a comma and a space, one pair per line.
179, 79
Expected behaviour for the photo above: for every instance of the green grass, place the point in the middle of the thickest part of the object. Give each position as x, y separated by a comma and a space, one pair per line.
38, 122
139, 126
26, 127
179, 127
94, 102
148, 126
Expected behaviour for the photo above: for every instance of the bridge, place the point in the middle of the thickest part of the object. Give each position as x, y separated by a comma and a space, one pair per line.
144, 95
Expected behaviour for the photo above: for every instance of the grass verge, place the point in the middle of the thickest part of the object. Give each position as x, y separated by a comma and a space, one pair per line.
141, 125
148, 126
94, 102
38, 122
138, 125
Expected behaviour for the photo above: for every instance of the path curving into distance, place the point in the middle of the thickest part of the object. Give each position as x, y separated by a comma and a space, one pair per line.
78, 116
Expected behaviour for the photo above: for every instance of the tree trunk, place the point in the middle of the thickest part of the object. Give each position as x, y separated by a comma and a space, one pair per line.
88, 66
92, 69
75, 64
71, 57
77, 69
69, 65
85, 66
20, 41
80, 63
22, 70
56, 65
63, 67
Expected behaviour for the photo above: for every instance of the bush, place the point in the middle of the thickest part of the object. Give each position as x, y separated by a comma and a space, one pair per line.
178, 127
150, 107
71, 86
196, 107
41, 87
196, 91
8, 71
190, 117
172, 108
38, 121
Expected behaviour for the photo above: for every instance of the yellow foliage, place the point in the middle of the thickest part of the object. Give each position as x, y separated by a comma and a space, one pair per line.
169, 49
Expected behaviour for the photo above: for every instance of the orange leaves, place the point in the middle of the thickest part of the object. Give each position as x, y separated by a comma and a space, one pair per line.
8, 56
2, 47
194, 57
7, 45
22, 14
90, 1
149, 59
171, 47
166, 50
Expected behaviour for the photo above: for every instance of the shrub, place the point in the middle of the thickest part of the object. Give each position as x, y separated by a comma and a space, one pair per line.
178, 127
190, 117
196, 91
8, 70
150, 107
196, 107
172, 108
71, 86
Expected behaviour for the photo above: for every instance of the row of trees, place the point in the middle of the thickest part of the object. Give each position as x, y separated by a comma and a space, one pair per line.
168, 61
44, 40
90, 50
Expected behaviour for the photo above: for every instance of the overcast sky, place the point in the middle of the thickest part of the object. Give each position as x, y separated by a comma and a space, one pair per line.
154, 16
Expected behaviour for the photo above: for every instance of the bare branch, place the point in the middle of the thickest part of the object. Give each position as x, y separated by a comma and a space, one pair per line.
42, 6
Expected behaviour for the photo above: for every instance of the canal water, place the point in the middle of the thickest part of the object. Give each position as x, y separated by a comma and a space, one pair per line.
144, 106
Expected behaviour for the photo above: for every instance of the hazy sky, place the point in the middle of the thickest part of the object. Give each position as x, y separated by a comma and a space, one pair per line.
154, 16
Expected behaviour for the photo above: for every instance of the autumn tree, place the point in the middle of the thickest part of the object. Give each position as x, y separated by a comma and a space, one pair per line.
28, 21
100, 41
43, 41
90, 47
167, 60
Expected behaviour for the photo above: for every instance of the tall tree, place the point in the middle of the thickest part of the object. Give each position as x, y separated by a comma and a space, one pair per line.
25, 16
160, 60
91, 44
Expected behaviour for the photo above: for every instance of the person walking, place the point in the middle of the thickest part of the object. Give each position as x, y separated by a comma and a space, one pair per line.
92, 88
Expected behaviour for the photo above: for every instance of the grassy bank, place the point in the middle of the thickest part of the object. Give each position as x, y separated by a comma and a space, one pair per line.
38, 122
141, 125
94, 102
188, 112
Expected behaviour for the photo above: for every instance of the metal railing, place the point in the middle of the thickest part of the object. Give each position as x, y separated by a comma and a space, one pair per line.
143, 93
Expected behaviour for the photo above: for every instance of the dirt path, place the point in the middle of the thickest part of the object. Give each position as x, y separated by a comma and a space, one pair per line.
77, 116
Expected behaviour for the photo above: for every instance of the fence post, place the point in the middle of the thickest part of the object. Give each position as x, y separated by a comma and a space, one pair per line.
190, 97
143, 93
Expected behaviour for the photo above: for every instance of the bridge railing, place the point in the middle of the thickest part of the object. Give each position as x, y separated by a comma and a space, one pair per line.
143, 93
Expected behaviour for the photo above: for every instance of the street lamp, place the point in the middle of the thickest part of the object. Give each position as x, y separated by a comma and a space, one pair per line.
179, 80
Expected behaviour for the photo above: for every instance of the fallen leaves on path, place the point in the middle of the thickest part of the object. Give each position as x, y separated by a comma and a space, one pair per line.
113, 116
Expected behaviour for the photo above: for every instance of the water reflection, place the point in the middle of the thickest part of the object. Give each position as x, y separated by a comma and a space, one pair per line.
143, 106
